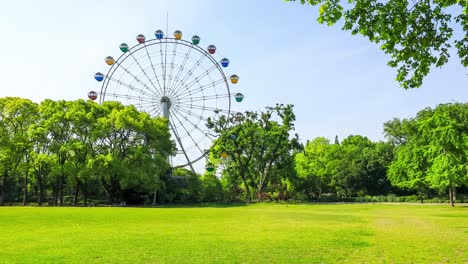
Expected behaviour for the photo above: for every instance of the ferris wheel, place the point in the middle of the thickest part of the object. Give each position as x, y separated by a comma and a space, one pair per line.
176, 79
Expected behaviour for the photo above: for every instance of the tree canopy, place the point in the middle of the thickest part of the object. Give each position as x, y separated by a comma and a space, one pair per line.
433, 153
416, 34
67, 146
80, 152
257, 148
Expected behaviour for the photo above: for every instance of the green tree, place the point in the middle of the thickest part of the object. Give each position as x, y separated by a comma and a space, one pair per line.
409, 169
185, 186
377, 159
258, 146
313, 166
130, 148
433, 150
351, 168
16, 115
82, 115
417, 35
445, 132
56, 121
239, 142
212, 188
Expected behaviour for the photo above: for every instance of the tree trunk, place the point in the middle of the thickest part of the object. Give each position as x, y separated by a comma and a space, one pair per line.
451, 195
77, 189
3, 189
84, 189
247, 190
41, 192
55, 191
154, 196
2, 195
25, 195
61, 186
107, 187
260, 193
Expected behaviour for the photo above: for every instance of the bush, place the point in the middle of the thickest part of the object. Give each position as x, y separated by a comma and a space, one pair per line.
212, 189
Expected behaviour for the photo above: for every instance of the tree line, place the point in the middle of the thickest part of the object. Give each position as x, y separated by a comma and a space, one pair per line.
80, 152
424, 156
59, 150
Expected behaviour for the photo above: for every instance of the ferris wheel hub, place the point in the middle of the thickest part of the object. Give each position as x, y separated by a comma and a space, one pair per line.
166, 104
166, 99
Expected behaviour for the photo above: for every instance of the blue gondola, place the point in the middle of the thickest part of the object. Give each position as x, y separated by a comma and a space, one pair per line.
99, 76
225, 62
159, 34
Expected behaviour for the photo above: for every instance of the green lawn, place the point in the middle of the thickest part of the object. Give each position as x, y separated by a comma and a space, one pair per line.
261, 233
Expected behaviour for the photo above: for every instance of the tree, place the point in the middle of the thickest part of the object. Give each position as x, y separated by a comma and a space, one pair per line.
130, 148
258, 146
446, 134
433, 152
408, 169
56, 120
377, 158
212, 188
185, 186
312, 165
82, 115
417, 35
16, 115
350, 169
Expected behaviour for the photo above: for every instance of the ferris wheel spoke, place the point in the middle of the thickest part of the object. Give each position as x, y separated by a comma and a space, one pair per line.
202, 107
155, 111
144, 72
189, 73
154, 70
148, 109
190, 113
143, 104
184, 117
147, 104
163, 70
201, 88
126, 96
202, 98
188, 133
174, 53
176, 134
200, 77
135, 78
131, 87
181, 67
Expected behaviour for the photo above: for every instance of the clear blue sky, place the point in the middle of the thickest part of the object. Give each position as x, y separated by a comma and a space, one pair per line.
339, 83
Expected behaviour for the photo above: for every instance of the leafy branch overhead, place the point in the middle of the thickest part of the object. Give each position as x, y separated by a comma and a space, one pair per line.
416, 34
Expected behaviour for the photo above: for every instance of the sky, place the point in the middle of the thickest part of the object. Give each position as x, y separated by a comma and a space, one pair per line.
339, 83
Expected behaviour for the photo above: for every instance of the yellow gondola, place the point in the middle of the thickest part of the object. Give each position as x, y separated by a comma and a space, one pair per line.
178, 34
110, 61
234, 79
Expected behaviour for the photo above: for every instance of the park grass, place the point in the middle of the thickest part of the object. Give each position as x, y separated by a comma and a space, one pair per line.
259, 233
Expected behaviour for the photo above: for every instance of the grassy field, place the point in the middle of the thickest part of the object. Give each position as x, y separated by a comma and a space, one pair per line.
261, 233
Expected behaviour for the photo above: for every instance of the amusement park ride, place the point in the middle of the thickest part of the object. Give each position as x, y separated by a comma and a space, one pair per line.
176, 79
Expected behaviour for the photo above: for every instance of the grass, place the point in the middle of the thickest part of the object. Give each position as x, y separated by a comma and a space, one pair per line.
261, 233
